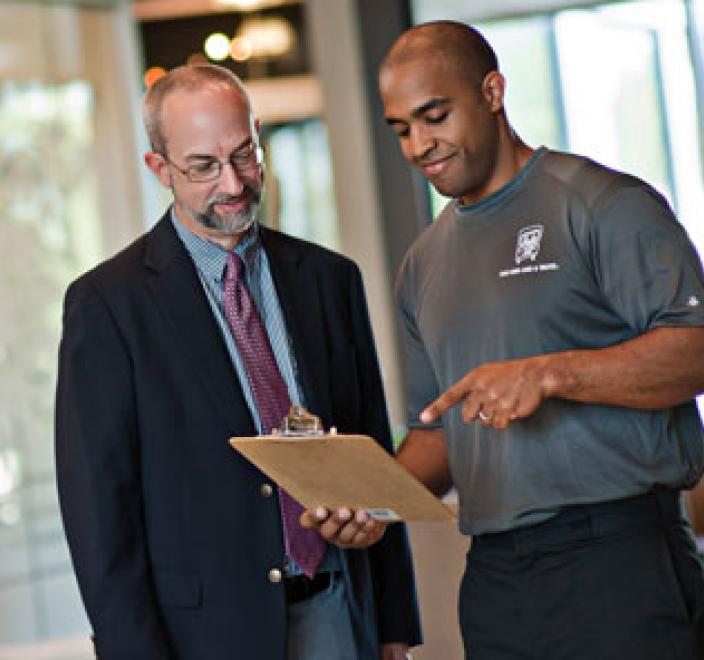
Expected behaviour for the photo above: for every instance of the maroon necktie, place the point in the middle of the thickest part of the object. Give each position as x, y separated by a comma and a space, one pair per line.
270, 393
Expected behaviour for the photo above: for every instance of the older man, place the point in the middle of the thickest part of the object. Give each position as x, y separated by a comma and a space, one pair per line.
206, 327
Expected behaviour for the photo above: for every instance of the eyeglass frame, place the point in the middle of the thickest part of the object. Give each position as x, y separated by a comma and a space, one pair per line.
239, 161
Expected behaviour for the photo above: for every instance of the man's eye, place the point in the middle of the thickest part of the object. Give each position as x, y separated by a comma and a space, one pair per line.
436, 119
244, 155
402, 131
204, 167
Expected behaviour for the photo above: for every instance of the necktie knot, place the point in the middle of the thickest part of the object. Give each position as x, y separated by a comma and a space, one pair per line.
233, 271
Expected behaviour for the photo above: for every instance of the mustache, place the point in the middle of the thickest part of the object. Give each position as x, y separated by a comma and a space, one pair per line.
223, 198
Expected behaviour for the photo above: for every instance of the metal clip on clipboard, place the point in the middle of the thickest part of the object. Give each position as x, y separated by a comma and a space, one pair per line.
299, 422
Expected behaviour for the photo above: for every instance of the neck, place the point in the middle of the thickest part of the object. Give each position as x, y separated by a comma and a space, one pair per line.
519, 153
510, 158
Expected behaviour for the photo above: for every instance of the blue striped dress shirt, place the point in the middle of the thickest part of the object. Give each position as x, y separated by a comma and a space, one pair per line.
210, 261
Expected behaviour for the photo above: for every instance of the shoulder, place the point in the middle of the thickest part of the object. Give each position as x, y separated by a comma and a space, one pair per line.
279, 245
595, 184
128, 268
114, 272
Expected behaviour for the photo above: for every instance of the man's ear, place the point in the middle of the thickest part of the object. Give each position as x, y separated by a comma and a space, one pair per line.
493, 88
157, 164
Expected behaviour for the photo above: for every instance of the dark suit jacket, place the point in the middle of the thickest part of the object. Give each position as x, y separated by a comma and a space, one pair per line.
171, 537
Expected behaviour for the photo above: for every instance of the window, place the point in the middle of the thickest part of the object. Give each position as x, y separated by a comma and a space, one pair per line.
48, 234
300, 195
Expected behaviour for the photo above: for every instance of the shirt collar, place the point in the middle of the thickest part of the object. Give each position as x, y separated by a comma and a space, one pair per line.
210, 258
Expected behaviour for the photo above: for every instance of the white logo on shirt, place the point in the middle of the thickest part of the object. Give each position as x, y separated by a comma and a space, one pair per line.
527, 249
693, 301
528, 243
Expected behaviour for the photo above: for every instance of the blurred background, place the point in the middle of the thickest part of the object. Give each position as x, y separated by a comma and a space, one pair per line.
621, 82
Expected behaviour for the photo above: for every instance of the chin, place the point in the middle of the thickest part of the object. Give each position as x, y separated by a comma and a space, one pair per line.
446, 191
231, 224
231, 228
458, 190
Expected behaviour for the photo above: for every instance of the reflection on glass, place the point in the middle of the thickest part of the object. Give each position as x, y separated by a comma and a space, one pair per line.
526, 58
623, 124
48, 234
301, 192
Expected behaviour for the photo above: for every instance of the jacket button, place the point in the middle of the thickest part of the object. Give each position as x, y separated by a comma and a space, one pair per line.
266, 490
275, 575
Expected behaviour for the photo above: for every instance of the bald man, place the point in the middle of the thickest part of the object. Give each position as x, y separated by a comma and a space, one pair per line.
210, 326
553, 320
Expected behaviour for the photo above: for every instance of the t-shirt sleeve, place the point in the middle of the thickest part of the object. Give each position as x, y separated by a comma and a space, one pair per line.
421, 383
644, 262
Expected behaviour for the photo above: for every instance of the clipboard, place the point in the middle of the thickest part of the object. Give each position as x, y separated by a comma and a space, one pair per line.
335, 470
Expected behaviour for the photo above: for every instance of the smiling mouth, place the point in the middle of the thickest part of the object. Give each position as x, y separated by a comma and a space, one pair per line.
436, 167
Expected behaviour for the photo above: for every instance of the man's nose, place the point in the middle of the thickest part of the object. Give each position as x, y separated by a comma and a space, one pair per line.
230, 180
420, 143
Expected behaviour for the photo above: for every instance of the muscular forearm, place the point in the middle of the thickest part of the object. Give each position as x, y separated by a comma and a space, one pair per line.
661, 368
424, 454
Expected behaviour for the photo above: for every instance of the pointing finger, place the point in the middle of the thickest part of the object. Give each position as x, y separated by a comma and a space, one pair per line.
448, 399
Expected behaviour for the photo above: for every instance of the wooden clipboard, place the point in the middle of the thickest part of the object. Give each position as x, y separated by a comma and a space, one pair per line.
343, 470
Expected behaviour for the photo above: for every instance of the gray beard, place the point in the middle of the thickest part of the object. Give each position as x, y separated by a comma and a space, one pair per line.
228, 224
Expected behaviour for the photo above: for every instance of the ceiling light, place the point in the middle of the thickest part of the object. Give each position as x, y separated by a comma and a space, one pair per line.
241, 49
217, 46
153, 74
249, 5
269, 37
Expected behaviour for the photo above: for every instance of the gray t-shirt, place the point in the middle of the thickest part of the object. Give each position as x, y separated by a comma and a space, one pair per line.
568, 255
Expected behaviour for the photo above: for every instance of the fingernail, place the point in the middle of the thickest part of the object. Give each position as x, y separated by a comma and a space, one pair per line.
321, 513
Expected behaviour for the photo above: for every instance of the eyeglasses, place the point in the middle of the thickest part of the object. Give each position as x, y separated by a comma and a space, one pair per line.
209, 169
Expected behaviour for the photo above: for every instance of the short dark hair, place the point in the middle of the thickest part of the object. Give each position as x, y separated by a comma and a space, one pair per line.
461, 45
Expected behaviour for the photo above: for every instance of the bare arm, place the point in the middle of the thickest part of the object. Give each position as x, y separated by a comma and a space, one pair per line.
661, 368
424, 454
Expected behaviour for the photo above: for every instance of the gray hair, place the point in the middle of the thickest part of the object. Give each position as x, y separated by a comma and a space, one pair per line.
191, 77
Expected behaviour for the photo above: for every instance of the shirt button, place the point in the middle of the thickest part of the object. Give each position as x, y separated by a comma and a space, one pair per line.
266, 490
275, 575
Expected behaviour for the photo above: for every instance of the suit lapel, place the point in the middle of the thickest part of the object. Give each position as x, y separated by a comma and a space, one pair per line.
178, 293
298, 291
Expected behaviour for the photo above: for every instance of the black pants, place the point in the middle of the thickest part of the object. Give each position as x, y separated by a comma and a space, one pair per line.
619, 580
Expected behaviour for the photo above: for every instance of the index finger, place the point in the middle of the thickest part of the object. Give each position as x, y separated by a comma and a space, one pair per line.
448, 399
